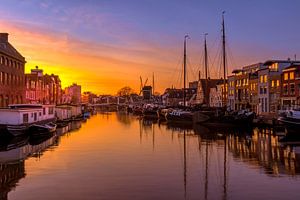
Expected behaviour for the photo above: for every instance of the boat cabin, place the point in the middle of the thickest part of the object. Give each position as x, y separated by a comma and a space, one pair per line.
19, 114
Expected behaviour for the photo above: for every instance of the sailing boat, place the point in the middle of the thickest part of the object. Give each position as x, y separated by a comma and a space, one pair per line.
181, 115
222, 117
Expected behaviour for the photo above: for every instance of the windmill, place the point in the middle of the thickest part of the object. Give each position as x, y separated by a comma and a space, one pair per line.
142, 84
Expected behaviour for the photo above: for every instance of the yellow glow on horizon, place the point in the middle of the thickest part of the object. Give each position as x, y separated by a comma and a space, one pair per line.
97, 67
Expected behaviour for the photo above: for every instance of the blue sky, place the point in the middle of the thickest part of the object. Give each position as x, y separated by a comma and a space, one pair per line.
149, 33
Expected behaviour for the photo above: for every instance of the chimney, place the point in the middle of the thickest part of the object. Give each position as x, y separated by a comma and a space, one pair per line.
3, 37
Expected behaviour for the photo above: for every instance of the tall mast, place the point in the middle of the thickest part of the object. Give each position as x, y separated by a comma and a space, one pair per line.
153, 91
184, 70
205, 57
206, 98
224, 56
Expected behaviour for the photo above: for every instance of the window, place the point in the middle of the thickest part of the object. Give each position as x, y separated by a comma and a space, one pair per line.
292, 87
50, 111
266, 105
274, 67
265, 90
25, 118
265, 78
273, 83
292, 75
286, 76
32, 83
285, 89
261, 79
44, 111
277, 83
35, 116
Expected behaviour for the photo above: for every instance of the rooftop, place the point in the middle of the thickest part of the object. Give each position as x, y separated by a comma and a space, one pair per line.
7, 49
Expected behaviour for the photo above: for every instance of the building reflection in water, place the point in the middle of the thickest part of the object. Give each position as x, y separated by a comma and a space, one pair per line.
15, 151
258, 147
10, 174
263, 149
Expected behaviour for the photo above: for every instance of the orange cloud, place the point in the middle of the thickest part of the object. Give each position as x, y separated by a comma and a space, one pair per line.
99, 67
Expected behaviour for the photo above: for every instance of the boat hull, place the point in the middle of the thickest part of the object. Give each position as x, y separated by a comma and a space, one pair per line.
179, 116
17, 130
292, 125
42, 129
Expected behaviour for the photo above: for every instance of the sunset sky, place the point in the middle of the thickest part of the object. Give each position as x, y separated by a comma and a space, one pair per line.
107, 44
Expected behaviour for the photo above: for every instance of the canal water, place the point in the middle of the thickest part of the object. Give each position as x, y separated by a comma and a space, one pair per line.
119, 156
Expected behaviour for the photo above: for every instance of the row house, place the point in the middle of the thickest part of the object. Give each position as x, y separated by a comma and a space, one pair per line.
290, 89
203, 89
215, 96
174, 97
12, 80
43, 89
88, 97
72, 94
242, 86
258, 87
269, 85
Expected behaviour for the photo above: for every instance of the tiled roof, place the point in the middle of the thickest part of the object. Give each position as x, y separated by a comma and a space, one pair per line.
8, 49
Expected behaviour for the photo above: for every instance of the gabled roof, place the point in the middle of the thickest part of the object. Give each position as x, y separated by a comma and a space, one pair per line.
211, 83
7, 49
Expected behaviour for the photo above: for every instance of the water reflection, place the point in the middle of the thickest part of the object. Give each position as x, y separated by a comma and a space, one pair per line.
10, 174
15, 151
256, 147
120, 156
263, 149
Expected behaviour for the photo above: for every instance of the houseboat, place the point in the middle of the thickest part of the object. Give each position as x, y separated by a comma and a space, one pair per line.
67, 113
17, 118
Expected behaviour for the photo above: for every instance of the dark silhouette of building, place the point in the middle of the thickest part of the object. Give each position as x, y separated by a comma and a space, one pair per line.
147, 92
12, 81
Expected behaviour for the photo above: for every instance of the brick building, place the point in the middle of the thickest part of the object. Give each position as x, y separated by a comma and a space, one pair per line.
243, 87
203, 90
269, 85
290, 89
42, 88
174, 97
12, 84
72, 94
